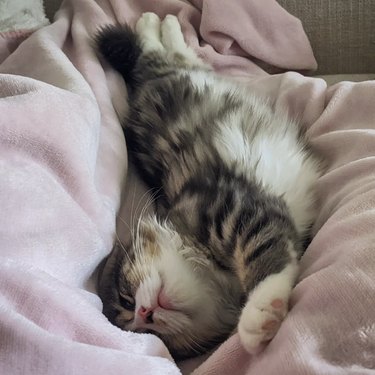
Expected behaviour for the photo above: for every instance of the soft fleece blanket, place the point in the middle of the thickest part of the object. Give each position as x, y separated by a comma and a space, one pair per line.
63, 164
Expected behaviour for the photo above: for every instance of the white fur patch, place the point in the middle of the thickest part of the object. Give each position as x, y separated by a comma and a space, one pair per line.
275, 156
165, 36
22, 15
180, 282
266, 307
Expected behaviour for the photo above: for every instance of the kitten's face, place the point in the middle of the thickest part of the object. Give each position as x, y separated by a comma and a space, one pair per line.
163, 286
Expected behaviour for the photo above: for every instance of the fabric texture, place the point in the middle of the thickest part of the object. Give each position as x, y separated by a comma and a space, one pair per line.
332, 79
341, 33
62, 168
18, 19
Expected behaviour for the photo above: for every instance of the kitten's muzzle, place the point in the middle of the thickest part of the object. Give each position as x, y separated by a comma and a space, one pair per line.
146, 314
163, 302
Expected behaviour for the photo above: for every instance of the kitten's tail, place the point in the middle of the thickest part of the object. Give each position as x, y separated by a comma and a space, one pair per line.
121, 47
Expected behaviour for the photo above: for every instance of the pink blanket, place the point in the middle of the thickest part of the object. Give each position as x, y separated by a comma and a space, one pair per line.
63, 163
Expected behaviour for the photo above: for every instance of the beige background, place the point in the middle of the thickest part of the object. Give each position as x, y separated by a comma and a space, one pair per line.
341, 32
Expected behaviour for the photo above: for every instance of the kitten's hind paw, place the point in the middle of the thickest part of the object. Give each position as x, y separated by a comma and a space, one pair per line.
174, 43
171, 34
266, 308
259, 324
148, 21
148, 29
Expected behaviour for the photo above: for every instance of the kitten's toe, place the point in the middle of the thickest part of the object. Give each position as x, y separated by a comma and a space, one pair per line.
173, 41
259, 324
171, 25
148, 21
171, 34
148, 28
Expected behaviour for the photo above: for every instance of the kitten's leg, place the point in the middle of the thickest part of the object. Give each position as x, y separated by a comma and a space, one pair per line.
148, 29
267, 304
174, 43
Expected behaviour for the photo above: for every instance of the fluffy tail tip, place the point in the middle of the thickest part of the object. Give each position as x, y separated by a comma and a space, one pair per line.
120, 46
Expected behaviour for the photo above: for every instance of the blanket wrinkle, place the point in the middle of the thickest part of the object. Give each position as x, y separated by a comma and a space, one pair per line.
265, 36
64, 181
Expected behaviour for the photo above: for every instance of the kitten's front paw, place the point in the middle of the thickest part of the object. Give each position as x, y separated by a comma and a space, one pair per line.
260, 322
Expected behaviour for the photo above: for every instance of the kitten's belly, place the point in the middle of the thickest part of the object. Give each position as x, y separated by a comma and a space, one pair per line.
263, 143
276, 157
279, 163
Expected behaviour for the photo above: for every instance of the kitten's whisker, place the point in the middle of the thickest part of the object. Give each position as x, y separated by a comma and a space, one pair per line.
129, 259
148, 203
194, 345
123, 248
131, 229
133, 212
127, 224
137, 274
136, 234
188, 339
145, 194
150, 200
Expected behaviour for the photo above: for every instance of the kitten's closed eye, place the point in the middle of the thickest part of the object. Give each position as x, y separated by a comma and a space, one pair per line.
127, 302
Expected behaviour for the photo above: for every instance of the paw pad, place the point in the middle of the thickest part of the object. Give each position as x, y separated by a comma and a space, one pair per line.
260, 323
277, 303
270, 325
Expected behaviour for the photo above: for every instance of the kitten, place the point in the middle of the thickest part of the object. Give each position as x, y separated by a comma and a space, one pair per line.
236, 181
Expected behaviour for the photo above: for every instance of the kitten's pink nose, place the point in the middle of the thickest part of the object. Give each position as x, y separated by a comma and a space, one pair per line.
146, 314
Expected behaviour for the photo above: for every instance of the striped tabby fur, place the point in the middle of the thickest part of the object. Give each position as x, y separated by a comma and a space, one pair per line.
236, 198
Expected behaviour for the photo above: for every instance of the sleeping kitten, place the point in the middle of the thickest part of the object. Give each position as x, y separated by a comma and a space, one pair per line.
236, 182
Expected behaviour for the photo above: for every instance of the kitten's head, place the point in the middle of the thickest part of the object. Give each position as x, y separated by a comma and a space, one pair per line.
163, 285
